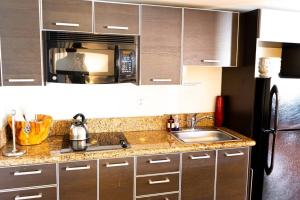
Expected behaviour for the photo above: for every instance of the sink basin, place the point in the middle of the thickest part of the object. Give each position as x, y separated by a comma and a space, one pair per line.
203, 135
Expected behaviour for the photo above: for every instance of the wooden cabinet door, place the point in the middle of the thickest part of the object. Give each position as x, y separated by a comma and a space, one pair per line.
116, 18
20, 57
198, 175
78, 180
232, 174
38, 193
116, 177
68, 15
210, 38
160, 47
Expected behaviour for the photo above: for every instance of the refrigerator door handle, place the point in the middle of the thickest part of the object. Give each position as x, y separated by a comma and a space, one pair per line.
273, 132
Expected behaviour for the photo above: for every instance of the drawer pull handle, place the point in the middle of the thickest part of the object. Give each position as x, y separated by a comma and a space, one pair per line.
210, 61
167, 160
27, 173
78, 168
234, 154
66, 24
117, 164
161, 80
25, 80
117, 27
205, 156
166, 180
38, 196
166, 198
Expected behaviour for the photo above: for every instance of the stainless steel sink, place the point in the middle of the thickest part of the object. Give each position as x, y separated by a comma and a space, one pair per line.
203, 135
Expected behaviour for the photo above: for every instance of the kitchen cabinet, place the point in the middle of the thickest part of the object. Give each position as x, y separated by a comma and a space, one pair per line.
78, 180
160, 45
198, 175
116, 179
39, 193
27, 176
210, 38
20, 57
232, 174
116, 18
67, 15
158, 164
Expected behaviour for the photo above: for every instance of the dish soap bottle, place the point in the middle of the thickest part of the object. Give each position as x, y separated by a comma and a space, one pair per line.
170, 123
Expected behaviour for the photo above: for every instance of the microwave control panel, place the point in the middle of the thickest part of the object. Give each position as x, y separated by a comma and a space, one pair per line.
127, 62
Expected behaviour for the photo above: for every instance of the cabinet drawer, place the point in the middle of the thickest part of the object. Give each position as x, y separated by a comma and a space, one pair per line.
69, 15
41, 194
157, 184
26, 176
161, 197
116, 18
78, 180
157, 164
116, 178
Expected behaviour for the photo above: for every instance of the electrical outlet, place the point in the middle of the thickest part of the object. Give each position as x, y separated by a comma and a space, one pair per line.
140, 101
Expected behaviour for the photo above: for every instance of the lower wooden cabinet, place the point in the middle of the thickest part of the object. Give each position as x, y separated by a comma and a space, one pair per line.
232, 176
78, 180
41, 194
198, 175
205, 175
116, 177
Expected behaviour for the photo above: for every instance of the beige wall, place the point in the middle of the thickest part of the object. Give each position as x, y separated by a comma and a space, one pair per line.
62, 101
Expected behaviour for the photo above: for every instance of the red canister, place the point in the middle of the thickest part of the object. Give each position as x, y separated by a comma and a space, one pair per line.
219, 111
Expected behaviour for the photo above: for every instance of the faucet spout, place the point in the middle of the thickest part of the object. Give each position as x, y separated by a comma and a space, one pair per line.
194, 120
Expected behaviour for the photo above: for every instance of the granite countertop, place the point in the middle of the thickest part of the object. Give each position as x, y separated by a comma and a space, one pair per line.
142, 143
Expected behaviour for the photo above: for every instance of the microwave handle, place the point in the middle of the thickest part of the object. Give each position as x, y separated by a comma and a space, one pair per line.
117, 63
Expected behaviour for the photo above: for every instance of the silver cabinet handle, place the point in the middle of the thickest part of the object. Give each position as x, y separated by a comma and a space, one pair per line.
234, 154
78, 168
117, 27
205, 156
12, 80
166, 180
17, 173
167, 160
66, 24
161, 80
117, 164
38, 196
210, 61
166, 198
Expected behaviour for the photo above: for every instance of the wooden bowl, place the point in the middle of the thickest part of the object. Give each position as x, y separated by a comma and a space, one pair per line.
39, 130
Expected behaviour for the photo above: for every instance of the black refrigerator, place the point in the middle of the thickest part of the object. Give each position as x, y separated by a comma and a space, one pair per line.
268, 111
276, 130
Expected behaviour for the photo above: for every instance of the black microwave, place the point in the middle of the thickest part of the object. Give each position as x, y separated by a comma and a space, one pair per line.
89, 58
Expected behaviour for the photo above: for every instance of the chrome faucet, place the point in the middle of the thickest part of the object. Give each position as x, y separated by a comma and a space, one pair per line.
193, 121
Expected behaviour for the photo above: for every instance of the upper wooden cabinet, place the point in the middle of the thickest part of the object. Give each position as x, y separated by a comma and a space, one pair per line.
20, 57
116, 18
210, 38
232, 176
160, 46
68, 15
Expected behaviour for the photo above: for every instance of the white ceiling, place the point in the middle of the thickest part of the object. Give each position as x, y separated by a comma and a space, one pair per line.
227, 4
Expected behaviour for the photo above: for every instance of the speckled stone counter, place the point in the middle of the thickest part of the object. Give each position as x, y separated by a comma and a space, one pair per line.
142, 143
